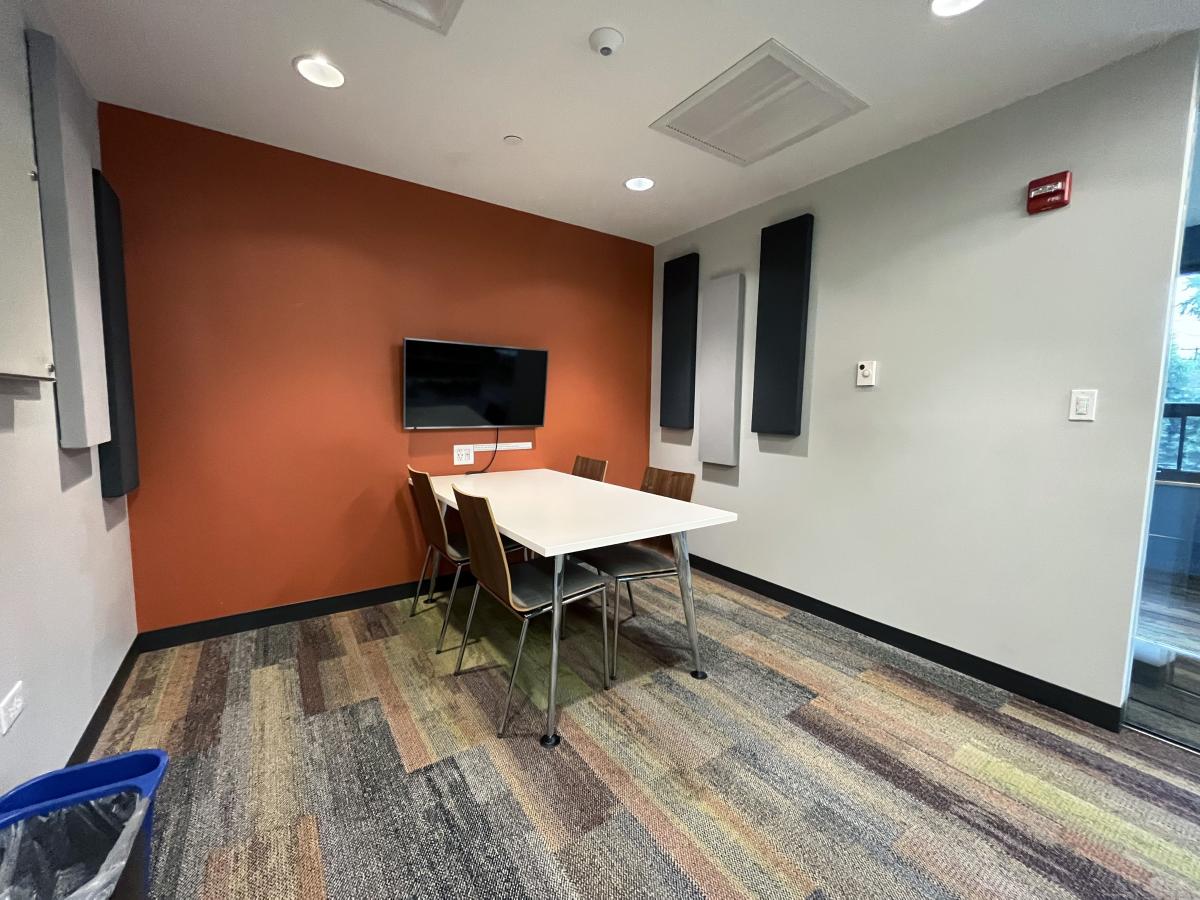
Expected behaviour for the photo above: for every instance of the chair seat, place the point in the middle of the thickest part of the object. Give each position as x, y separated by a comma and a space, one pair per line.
457, 545
533, 583
628, 561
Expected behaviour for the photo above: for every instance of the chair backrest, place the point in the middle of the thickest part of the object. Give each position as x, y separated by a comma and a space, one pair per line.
489, 564
427, 510
586, 467
665, 483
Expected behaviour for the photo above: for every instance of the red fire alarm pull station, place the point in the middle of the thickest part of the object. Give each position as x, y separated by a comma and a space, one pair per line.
1051, 192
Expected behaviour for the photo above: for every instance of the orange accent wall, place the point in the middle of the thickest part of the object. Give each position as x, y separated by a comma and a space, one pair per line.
269, 293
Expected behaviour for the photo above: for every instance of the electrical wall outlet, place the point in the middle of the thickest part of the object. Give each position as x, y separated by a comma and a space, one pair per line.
464, 454
11, 707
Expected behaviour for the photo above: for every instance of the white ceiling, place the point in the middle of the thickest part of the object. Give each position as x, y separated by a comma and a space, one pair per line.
433, 109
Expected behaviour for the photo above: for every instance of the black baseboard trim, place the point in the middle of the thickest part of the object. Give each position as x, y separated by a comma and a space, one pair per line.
91, 734
1075, 704
275, 615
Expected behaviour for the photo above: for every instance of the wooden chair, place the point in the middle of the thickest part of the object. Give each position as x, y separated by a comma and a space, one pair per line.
526, 589
439, 544
641, 560
586, 467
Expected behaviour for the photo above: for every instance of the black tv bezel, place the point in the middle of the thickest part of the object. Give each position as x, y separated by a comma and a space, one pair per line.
404, 387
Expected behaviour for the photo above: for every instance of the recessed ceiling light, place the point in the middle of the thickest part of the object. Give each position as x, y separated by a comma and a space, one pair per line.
948, 8
513, 139
640, 184
319, 71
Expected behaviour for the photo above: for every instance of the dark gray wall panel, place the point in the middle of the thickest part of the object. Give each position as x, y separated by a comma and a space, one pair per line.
118, 457
785, 264
677, 387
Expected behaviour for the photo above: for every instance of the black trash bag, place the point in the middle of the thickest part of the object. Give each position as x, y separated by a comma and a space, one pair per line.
76, 853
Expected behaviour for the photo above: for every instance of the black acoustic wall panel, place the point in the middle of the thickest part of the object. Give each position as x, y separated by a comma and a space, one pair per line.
677, 389
784, 267
118, 457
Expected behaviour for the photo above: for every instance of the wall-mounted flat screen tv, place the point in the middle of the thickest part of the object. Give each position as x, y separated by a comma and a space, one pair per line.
448, 385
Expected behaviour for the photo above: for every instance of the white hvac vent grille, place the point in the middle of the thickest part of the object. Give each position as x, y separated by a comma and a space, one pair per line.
436, 14
768, 101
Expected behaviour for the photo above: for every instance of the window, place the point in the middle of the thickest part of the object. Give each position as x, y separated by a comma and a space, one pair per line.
1179, 437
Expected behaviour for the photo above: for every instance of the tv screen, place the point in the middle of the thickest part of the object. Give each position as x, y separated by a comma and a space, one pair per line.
449, 385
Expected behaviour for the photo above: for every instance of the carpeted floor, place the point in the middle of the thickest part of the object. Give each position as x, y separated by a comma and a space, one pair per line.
339, 758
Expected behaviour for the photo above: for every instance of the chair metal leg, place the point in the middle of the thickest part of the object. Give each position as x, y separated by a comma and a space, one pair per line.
616, 623
433, 573
604, 631
513, 677
449, 607
629, 591
417, 593
466, 631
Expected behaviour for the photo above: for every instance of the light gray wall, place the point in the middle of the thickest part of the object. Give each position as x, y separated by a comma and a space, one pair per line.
66, 581
955, 501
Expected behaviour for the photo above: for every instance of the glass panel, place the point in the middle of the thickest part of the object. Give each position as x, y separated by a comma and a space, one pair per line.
1164, 694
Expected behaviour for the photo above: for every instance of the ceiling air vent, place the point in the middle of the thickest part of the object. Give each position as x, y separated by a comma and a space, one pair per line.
436, 14
768, 101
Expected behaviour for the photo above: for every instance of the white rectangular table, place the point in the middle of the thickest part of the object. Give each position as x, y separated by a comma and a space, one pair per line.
554, 514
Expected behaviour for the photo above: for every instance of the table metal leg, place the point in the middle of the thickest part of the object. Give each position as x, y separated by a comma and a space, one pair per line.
684, 567
551, 737
604, 631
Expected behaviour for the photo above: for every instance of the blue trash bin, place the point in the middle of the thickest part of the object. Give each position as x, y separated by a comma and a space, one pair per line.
104, 788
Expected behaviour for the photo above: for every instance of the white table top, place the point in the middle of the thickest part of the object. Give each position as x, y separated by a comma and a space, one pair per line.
553, 513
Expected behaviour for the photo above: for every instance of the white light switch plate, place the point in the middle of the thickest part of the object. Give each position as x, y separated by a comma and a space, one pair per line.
464, 454
1083, 405
866, 373
11, 707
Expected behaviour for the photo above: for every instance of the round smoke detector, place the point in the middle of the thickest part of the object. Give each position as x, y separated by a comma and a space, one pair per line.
606, 41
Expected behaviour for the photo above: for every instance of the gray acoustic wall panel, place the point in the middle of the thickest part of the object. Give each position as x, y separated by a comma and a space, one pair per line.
719, 375
25, 346
64, 126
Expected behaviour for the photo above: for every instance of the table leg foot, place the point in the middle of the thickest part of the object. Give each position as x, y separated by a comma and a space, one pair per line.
699, 676
550, 741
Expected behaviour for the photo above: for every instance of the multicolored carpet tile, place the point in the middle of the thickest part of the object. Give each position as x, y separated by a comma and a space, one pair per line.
339, 757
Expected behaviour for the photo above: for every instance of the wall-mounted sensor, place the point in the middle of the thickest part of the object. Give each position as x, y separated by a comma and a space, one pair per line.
866, 373
1083, 405
606, 41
